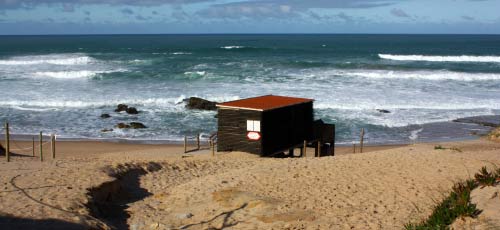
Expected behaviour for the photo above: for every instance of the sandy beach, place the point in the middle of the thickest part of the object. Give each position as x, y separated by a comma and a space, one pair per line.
100, 185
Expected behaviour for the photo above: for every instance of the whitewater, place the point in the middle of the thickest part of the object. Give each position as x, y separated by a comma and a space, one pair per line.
63, 86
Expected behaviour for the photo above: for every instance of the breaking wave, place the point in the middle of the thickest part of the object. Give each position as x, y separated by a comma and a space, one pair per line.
170, 102
75, 74
440, 75
181, 53
53, 59
232, 47
462, 58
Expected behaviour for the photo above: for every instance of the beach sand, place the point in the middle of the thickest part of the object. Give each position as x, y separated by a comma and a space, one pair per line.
99, 185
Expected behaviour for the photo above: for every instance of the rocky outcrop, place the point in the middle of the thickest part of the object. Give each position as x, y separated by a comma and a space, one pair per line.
137, 125
2, 150
122, 126
105, 115
131, 110
490, 121
383, 111
126, 108
121, 108
200, 103
132, 125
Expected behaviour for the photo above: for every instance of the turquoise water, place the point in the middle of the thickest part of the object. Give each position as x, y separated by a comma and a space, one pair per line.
62, 84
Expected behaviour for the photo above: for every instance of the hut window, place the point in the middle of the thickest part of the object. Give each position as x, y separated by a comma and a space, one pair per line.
253, 125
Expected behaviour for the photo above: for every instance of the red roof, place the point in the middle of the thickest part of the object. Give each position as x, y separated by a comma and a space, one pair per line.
262, 103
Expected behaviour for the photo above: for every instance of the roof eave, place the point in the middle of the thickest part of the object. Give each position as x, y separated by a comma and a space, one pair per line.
261, 110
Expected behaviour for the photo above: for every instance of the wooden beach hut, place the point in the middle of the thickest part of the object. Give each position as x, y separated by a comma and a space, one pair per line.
265, 125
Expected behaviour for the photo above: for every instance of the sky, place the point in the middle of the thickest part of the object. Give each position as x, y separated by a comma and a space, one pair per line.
249, 16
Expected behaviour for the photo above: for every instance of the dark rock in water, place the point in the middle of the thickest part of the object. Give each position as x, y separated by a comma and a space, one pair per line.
133, 125
383, 111
137, 125
107, 130
186, 100
105, 115
490, 121
132, 110
201, 104
122, 126
121, 108
2, 150
129, 110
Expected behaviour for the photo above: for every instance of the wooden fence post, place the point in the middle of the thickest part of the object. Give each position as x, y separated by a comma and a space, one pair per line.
212, 147
53, 145
7, 142
353, 148
198, 141
185, 144
304, 151
319, 148
41, 143
362, 139
33, 146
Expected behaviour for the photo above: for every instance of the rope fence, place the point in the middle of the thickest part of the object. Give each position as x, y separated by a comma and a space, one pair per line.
24, 150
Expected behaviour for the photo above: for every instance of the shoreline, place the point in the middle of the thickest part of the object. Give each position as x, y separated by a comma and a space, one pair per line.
88, 147
461, 129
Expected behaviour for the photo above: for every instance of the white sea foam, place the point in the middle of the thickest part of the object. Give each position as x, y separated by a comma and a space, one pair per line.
198, 73
53, 59
75, 74
181, 53
30, 109
437, 75
50, 103
171, 103
414, 134
462, 58
232, 47
406, 105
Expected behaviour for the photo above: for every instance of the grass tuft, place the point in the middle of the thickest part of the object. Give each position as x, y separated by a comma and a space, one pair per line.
457, 203
485, 178
439, 147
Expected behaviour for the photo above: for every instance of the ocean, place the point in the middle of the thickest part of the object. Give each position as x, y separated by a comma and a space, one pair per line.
62, 84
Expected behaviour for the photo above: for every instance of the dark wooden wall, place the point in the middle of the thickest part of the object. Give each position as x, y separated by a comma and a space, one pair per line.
232, 131
286, 127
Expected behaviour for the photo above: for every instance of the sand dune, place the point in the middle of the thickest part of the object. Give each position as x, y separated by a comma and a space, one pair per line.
161, 189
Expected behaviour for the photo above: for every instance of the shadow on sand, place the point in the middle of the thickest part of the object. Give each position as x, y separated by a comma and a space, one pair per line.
110, 200
14, 223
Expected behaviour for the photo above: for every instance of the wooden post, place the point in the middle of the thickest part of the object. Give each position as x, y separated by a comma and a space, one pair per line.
198, 141
353, 148
319, 148
7, 142
304, 151
33, 146
185, 144
362, 139
333, 144
41, 143
212, 148
53, 145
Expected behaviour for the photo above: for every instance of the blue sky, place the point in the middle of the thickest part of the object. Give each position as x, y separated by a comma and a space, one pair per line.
249, 16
